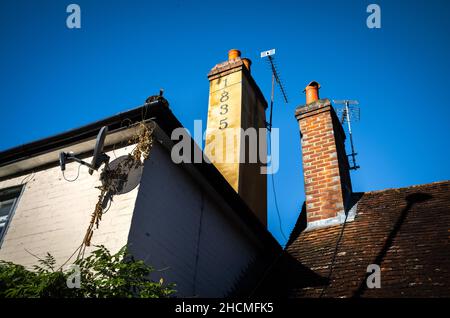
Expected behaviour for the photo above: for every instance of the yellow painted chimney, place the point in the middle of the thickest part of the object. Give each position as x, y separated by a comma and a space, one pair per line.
236, 102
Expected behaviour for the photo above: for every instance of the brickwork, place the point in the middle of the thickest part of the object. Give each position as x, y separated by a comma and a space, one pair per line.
325, 164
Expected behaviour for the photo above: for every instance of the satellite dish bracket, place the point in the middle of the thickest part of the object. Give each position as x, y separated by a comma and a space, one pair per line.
66, 156
99, 156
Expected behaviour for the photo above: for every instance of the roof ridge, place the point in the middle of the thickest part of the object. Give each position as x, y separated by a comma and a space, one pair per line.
407, 187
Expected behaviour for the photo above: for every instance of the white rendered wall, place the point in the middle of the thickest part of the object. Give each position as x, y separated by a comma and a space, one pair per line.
165, 231
52, 215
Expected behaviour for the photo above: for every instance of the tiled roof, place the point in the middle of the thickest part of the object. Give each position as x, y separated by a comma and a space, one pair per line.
406, 231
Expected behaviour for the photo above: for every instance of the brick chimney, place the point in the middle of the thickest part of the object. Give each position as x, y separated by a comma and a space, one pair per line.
325, 164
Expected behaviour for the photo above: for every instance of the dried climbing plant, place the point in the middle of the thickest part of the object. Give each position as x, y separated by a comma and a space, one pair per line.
144, 143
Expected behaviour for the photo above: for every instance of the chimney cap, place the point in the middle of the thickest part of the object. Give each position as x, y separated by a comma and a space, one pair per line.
312, 84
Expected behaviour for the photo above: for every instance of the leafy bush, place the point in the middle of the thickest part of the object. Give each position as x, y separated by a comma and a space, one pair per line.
101, 275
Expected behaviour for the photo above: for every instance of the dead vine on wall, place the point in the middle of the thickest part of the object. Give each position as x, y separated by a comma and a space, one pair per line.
109, 177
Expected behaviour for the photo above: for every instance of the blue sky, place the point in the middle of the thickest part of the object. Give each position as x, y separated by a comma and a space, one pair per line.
54, 79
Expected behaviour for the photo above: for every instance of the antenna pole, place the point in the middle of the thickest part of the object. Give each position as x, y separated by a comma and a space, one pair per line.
347, 117
271, 101
347, 111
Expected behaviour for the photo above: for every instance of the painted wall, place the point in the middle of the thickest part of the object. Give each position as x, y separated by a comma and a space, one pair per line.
52, 215
234, 105
182, 230
252, 183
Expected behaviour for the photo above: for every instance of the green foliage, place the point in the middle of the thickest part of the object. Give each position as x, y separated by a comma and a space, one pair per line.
101, 275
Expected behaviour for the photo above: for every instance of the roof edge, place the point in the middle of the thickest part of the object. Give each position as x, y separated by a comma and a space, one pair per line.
407, 187
46, 144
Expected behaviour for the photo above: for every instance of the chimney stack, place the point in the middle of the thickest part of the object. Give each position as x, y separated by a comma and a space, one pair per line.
235, 103
325, 164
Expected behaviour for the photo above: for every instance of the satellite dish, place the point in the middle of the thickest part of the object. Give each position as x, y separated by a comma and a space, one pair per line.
99, 156
128, 178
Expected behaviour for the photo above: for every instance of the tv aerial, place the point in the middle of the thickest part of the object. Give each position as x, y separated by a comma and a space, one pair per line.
350, 111
270, 55
97, 160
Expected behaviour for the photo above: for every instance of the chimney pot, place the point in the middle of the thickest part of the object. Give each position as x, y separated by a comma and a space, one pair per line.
233, 54
312, 92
